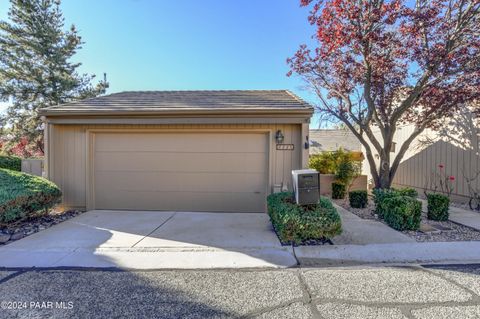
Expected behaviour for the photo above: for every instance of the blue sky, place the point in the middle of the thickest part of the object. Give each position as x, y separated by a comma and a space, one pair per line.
188, 44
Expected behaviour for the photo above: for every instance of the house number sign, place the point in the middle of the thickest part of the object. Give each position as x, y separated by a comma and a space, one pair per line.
285, 147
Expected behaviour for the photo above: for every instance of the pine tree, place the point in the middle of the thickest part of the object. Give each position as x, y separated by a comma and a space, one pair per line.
36, 69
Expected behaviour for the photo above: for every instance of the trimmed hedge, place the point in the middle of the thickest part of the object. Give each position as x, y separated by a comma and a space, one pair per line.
358, 199
380, 195
22, 195
407, 191
296, 224
11, 162
402, 212
437, 206
339, 190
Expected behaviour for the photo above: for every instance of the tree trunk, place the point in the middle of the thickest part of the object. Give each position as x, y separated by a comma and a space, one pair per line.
373, 166
384, 172
385, 176
384, 180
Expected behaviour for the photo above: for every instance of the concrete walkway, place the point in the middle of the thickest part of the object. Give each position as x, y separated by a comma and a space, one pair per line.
358, 231
153, 240
465, 217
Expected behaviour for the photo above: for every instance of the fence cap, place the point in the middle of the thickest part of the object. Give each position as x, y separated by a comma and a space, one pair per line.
304, 171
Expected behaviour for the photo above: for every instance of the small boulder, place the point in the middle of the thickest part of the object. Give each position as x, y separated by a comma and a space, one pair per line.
17, 236
4, 237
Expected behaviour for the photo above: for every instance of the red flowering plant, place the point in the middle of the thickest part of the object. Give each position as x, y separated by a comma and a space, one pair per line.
23, 148
439, 182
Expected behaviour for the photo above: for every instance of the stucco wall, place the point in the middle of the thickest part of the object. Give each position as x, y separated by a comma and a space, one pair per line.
326, 180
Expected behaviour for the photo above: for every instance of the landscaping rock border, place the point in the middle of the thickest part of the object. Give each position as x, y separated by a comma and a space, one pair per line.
27, 227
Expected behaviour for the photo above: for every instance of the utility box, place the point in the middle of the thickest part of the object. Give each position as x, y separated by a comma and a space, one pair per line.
33, 166
306, 186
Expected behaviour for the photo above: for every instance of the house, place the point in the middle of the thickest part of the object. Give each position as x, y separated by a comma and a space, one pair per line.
176, 150
328, 140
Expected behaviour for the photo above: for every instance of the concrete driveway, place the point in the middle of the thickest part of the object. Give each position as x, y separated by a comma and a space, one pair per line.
152, 240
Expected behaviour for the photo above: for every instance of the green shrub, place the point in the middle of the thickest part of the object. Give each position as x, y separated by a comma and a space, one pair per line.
437, 206
338, 190
402, 212
379, 195
328, 162
23, 195
324, 163
346, 172
407, 191
11, 162
296, 224
358, 199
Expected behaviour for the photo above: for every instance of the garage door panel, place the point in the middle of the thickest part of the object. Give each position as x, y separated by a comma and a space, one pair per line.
161, 161
192, 201
181, 142
181, 171
166, 181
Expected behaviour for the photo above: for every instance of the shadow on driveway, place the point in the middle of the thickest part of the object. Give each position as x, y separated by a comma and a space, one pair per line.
104, 294
153, 240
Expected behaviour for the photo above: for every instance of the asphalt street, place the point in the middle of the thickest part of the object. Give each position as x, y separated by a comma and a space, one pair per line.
347, 292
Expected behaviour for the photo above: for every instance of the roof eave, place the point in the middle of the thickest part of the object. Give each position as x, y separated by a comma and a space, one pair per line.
50, 112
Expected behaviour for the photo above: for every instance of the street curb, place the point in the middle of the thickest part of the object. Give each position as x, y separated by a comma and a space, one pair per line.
152, 258
433, 252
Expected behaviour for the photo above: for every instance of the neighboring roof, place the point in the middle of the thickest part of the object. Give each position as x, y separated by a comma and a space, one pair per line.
184, 101
332, 140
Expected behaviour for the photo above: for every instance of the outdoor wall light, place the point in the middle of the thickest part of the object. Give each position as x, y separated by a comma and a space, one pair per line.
279, 137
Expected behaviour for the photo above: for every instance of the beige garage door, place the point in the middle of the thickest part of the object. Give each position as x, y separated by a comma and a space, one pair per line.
180, 171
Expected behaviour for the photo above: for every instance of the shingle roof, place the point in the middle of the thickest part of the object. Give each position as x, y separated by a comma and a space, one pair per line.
332, 140
185, 100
